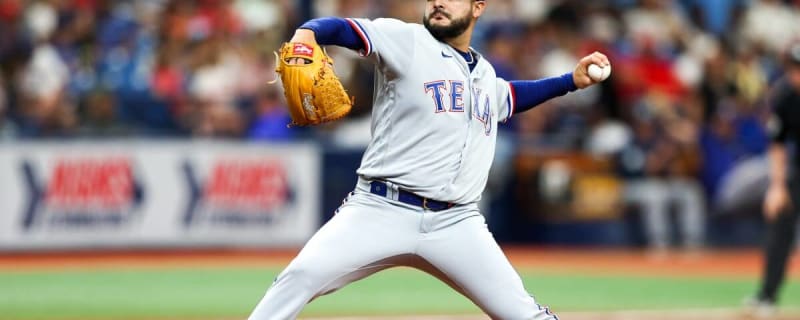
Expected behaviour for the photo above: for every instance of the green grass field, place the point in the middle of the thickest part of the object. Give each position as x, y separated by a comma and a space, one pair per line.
232, 292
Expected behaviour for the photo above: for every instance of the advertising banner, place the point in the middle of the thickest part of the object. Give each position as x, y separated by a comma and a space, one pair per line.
157, 194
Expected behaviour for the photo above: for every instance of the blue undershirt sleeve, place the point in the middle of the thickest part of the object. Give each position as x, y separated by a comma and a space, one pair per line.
531, 93
334, 31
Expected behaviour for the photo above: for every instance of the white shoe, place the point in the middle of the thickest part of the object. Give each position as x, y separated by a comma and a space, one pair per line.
760, 308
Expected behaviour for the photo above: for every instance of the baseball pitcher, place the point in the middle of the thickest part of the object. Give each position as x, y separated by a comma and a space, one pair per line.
436, 107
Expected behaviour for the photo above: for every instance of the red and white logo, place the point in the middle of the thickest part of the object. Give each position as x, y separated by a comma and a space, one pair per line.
248, 184
91, 183
303, 50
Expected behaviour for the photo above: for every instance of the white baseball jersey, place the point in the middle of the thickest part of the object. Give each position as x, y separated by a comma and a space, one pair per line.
434, 123
434, 128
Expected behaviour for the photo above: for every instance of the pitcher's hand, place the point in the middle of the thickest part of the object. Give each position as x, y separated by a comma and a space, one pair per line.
581, 75
303, 36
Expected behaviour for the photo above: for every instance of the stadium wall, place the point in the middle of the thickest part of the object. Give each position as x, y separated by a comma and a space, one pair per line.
141, 194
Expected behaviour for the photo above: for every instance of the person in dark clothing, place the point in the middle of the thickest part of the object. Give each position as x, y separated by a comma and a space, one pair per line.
782, 200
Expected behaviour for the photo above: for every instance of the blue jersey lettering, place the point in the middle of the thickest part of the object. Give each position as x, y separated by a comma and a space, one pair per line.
436, 88
456, 96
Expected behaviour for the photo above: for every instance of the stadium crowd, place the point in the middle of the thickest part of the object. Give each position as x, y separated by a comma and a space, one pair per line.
683, 113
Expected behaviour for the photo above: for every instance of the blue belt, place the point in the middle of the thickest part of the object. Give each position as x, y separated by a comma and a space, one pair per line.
380, 188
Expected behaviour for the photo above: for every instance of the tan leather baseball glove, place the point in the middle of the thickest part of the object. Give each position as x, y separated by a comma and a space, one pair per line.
313, 92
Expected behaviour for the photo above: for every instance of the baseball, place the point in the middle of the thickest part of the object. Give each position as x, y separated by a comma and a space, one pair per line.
598, 73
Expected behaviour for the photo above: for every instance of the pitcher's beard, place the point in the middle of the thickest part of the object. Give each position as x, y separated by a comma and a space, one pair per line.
441, 33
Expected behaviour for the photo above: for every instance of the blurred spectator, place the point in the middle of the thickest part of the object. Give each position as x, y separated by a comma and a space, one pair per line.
688, 78
169, 82
716, 16
43, 109
646, 72
660, 165
99, 116
501, 50
260, 16
214, 85
770, 25
733, 170
271, 118
165, 61
659, 25
608, 137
